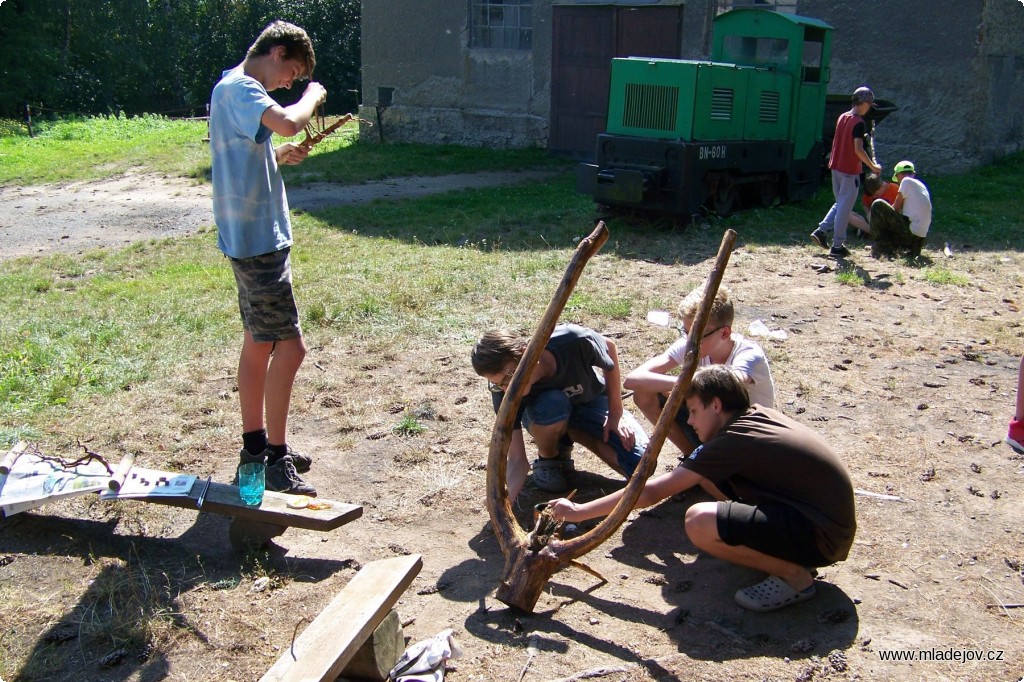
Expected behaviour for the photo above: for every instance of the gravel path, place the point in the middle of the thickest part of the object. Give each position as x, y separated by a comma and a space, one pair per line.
111, 213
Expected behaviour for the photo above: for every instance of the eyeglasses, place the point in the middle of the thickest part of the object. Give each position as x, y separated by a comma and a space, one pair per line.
503, 384
687, 332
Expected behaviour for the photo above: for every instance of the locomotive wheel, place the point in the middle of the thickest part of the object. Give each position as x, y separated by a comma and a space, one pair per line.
725, 199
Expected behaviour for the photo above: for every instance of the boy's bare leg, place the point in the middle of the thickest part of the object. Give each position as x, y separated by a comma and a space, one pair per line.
546, 437
1019, 415
266, 374
702, 528
603, 450
284, 365
252, 377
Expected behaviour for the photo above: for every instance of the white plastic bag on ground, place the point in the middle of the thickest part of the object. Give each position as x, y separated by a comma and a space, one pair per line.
424, 661
759, 328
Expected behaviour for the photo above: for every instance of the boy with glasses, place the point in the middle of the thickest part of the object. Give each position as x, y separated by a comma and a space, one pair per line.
651, 382
565, 399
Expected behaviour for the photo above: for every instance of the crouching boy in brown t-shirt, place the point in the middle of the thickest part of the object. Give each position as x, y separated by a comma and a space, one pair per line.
784, 500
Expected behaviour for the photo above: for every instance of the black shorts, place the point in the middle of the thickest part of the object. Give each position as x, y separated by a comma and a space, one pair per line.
773, 528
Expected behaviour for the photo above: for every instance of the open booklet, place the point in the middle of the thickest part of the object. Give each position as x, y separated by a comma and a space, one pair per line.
33, 480
141, 482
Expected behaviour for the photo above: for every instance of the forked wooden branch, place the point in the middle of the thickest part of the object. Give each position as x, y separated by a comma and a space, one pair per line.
315, 136
498, 505
577, 547
528, 568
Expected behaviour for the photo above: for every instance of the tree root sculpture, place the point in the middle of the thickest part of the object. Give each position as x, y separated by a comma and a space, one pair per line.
531, 559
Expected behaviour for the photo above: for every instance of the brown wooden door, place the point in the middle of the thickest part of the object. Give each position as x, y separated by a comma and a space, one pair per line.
584, 41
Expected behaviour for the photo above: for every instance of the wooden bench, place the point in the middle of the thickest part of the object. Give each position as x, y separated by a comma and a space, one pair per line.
327, 645
254, 526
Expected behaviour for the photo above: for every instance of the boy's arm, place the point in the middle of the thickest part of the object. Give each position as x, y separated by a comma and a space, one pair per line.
291, 120
613, 386
655, 490
518, 465
898, 204
652, 376
862, 154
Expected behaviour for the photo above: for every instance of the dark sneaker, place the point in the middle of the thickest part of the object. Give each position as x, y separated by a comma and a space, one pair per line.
839, 251
301, 460
821, 239
549, 476
282, 478
246, 457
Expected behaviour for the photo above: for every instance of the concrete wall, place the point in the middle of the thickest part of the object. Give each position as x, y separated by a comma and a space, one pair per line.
445, 92
954, 67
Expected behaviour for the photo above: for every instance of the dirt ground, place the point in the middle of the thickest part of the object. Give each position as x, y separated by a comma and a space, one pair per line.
913, 382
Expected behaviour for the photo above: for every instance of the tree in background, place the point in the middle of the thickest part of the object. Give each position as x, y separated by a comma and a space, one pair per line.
157, 56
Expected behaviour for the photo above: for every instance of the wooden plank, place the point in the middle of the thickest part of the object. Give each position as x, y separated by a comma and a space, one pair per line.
222, 498
324, 648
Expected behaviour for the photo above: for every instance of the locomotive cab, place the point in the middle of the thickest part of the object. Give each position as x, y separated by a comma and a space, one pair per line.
744, 128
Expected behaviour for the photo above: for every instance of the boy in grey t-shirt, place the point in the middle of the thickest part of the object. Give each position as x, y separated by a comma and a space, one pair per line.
566, 398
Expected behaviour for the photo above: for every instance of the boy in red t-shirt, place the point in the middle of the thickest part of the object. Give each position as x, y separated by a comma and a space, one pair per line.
848, 154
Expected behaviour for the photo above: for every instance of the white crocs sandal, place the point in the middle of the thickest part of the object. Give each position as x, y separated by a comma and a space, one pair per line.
771, 594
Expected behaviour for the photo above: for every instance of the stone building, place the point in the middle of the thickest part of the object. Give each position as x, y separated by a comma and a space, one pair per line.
521, 73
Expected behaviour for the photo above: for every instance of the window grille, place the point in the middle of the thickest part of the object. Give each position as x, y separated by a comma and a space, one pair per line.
721, 104
501, 24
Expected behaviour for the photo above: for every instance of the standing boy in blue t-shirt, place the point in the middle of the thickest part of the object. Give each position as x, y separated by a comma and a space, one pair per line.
254, 230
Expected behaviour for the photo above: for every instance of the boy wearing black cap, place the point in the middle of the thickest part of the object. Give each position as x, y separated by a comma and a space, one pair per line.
904, 225
848, 154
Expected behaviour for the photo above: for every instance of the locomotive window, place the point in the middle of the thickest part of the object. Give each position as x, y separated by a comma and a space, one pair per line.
813, 46
501, 24
756, 51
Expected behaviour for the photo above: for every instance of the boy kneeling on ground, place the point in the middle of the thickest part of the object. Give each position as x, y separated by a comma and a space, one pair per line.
784, 500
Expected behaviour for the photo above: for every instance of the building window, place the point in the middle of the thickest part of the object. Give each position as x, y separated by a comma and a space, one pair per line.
501, 24
783, 6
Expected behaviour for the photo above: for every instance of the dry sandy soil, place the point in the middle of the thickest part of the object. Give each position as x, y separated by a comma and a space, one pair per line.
913, 383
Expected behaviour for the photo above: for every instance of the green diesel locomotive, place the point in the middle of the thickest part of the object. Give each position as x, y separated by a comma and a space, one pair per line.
741, 130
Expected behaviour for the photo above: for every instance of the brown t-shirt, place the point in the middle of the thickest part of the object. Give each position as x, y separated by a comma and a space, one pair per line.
764, 456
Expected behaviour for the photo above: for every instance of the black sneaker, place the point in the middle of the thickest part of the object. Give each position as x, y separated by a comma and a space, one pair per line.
839, 251
301, 460
821, 239
282, 478
246, 457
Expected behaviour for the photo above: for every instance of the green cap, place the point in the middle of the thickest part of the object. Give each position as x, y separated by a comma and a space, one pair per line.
902, 167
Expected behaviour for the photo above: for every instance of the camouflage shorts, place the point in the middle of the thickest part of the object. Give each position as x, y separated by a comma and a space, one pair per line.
891, 230
265, 296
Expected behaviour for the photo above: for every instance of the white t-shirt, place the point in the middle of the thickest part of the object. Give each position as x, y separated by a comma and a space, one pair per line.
748, 359
917, 205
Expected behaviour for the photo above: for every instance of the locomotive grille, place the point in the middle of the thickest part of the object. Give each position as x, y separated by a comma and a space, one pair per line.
721, 104
652, 107
769, 109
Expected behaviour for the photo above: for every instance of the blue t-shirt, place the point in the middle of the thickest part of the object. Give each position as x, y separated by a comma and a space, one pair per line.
249, 202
